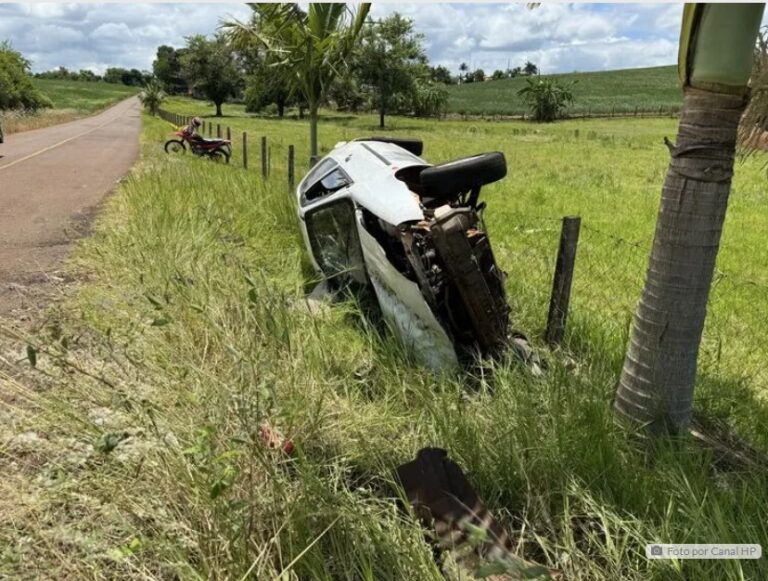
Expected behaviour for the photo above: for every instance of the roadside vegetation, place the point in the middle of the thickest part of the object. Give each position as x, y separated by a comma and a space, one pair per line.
192, 326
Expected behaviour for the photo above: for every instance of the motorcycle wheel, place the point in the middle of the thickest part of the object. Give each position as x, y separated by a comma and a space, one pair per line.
175, 146
220, 155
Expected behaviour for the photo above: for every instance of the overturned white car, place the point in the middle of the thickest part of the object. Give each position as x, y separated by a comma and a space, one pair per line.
373, 212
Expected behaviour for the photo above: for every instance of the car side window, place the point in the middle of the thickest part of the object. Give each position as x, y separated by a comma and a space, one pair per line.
332, 179
332, 231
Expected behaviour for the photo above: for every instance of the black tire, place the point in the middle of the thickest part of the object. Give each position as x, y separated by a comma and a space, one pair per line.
447, 180
172, 146
411, 144
219, 155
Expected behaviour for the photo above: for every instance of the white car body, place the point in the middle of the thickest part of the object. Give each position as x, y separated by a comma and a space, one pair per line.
370, 168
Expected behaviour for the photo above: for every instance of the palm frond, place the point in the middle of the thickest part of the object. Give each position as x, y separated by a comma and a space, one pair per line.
753, 129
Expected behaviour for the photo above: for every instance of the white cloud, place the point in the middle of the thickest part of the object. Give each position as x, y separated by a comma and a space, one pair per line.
558, 37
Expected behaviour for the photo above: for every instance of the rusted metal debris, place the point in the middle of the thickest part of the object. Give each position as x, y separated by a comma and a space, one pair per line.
445, 502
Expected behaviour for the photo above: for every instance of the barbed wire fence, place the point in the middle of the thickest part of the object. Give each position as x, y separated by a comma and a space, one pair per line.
608, 278
609, 274
245, 148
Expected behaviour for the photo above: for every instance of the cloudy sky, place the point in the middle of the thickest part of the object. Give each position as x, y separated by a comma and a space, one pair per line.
558, 37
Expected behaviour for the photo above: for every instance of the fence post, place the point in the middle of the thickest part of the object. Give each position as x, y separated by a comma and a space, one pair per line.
210, 129
229, 134
264, 156
291, 161
561, 285
218, 130
245, 150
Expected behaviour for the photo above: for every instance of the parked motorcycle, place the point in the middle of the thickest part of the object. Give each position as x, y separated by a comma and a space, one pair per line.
215, 149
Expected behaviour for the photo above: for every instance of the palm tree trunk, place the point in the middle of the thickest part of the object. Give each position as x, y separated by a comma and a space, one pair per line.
657, 381
656, 384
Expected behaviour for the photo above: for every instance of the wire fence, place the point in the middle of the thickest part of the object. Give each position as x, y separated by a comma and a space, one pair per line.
607, 281
246, 150
589, 112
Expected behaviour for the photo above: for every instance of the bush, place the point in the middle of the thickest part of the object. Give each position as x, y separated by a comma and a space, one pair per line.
16, 88
152, 96
547, 99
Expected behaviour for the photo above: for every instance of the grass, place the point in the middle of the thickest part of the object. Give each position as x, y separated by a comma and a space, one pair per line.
71, 100
599, 93
192, 329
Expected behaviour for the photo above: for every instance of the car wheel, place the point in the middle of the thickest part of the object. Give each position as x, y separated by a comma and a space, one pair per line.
447, 180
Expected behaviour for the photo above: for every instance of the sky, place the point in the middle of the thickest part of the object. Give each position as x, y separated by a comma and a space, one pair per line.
557, 37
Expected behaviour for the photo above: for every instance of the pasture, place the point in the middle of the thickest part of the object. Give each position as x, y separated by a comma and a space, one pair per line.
599, 93
71, 100
190, 330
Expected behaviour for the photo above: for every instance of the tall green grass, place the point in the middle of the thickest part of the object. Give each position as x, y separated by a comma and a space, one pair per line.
193, 330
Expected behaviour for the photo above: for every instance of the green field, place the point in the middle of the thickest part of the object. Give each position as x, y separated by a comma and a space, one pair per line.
598, 93
71, 100
82, 96
192, 327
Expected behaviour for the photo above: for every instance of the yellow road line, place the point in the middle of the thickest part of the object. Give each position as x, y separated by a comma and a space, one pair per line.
50, 147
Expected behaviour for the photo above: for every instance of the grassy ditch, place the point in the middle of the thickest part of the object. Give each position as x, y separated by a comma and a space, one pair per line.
132, 448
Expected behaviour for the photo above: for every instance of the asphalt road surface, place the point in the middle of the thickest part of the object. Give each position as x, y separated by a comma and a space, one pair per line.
51, 183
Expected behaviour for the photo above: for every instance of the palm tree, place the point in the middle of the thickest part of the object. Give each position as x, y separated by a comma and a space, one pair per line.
715, 58
152, 96
312, 46
546, 98
463, 68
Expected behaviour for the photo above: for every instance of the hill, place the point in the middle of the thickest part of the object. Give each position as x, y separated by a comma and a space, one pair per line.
600, 92
71, 100
83, 96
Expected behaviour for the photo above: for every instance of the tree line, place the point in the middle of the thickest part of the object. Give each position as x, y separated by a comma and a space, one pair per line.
115, 75
385, 70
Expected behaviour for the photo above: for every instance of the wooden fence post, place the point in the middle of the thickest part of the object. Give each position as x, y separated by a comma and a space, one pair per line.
229, 134
218, 130
210, 129
561, 285
291, 174
245, 150
264, 156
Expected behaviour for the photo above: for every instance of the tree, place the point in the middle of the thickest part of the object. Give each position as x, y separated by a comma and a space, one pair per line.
478, 76
440, 74
167, 68
656, 386
388, 59
515, 72
346, 94
429, 99
114, 75
16, 88
152, 96
211, 70
312, 45
463, 68
530, 69
546, 98
498, 75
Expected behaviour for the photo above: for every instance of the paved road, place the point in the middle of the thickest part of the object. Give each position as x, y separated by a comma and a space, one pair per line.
51, 182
